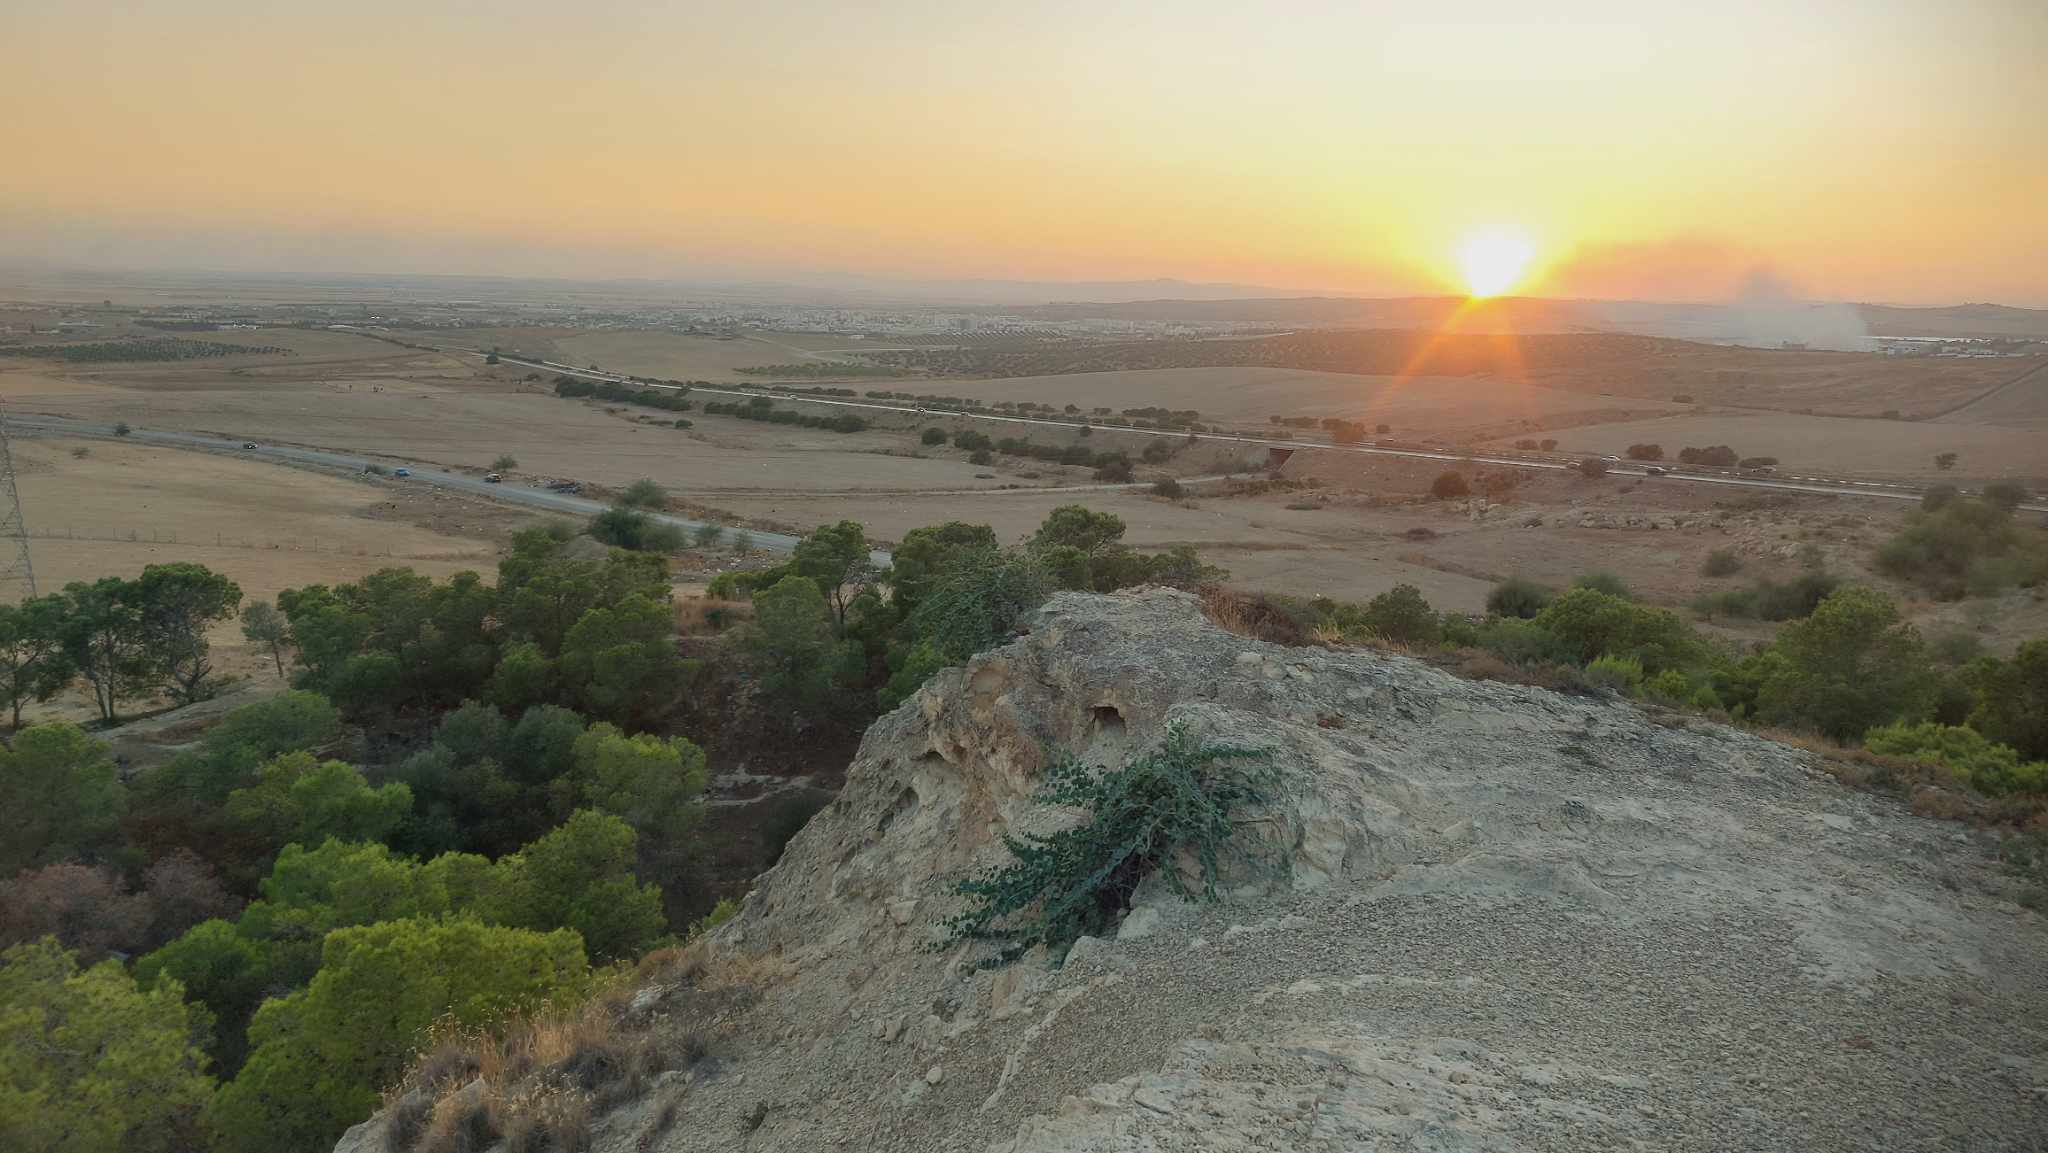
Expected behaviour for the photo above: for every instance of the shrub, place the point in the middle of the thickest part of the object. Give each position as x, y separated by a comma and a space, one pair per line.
1402, 616
1526, 445
1937, 496
1964, 547
1116, 470
2006, 494
642, 493
121, 428
979, 456
1623, 675
629, 528
1587, 624
1770, 600
933, 435
1604, 582
505, 463
1448, 485
1592, 466
1168, 488
969, 440
1548, 444
1984, 765
1646, 452
1383, 429
2014, 696
1719, 455
1722, 562
1944, 460
1176, 798
707, 535
1516, 597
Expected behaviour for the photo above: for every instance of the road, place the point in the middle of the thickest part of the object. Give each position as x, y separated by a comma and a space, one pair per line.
539, 498
421, 473
1826, 486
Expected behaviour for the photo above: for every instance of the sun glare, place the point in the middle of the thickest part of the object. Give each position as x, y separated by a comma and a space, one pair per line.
1494, 261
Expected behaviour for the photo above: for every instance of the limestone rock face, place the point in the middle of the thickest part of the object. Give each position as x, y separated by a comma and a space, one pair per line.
1477, 917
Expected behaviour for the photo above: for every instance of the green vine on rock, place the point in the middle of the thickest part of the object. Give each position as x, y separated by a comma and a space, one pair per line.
1073, 883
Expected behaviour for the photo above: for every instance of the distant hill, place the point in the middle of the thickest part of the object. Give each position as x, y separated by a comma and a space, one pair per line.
1979, 320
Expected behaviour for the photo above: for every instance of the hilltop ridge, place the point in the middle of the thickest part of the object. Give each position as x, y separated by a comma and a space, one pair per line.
1474, 916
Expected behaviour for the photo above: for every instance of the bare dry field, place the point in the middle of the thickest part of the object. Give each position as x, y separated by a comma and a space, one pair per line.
1450, 408
123, 506
1364, 529
642, 352
468, 427
1831, 446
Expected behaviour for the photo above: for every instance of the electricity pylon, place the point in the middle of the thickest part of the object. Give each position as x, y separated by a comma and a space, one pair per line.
14, 564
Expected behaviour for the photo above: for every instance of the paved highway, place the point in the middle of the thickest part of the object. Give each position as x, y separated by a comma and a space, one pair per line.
1829, 486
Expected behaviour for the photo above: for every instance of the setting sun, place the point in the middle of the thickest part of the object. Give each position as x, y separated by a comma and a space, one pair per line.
1494, 260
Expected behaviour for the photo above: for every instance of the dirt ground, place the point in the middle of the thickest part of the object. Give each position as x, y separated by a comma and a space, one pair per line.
1832, 446
644, 352
1456, 408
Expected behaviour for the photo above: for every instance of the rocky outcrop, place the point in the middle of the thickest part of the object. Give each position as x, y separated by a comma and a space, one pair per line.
1477, 917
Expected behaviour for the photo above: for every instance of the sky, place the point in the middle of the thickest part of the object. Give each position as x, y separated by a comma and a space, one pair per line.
1847, 149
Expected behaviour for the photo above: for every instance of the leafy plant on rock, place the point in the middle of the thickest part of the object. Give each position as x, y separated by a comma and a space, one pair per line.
1176, 798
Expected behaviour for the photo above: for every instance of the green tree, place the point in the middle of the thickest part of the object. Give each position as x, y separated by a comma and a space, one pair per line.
652, 783
106, 639
524, 677
298, 798
34, 664
60, 797
178, 603
262, 624
835, 558
506, 462
2013, 698
581, 877
319, 1056
1401, 615
91, 1064
1075, 526
219, 968
620, 661
793, 646
543, 590
1851, 665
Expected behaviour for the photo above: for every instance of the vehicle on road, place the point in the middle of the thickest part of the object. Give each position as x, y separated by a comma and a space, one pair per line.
401, 472
1653, 470
565, 486
492, 478
248, 444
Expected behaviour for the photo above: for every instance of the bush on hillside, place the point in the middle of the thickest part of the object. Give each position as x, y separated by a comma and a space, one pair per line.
1982, 764
1722, 562
1178, 798
1448, 485
1516, 597
1964, 548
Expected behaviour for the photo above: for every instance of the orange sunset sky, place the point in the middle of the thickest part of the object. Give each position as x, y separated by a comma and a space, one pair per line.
1866, 150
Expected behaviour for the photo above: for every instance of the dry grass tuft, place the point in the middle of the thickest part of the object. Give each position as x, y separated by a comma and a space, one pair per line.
704, 616
1252, 615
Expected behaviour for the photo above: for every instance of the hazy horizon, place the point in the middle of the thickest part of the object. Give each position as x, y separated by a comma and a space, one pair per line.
1844, 151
